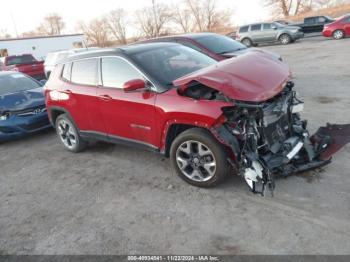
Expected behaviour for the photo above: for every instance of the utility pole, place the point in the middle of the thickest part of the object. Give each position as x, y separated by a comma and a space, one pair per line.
14, 24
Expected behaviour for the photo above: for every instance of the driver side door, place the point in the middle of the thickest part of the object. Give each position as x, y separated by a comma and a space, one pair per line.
127, 116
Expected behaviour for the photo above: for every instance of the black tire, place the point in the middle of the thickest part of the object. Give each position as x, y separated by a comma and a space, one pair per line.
216, 153
285, 39
247, 42
338, 34
68, 134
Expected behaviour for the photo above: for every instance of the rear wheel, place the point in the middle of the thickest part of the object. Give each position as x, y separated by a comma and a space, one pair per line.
198, 158
285, 39
69, 135
338, 34
247, 42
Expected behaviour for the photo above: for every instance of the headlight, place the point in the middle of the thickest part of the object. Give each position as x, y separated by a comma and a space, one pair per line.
4, 116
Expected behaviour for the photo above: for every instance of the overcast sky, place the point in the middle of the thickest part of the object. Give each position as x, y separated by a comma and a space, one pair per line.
27, 15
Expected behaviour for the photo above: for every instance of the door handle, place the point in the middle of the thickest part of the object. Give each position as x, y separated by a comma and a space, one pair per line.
105, 97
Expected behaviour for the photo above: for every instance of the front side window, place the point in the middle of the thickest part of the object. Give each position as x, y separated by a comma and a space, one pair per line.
116, 71
321, 19
255, 27
84, 72
266, 26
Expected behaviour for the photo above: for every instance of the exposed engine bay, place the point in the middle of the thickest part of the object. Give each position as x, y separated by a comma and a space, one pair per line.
270, 139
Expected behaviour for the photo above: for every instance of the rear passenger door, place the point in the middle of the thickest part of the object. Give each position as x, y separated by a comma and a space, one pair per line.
128, 116
81, 80
256, 33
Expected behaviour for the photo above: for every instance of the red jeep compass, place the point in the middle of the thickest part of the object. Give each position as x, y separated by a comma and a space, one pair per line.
239, 115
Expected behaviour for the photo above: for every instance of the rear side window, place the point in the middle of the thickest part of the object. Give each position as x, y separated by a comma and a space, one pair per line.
255, 27
84, 72
116, 71
321, 19
244, 29
309, 20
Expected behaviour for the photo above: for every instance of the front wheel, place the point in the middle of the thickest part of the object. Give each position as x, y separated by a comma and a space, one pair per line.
198, 158
68, 134
285, 39
338, 34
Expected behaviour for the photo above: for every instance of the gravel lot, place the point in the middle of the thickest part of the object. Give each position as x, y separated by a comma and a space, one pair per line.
118, 200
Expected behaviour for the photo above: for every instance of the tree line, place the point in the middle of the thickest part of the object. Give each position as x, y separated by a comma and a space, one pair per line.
158, 19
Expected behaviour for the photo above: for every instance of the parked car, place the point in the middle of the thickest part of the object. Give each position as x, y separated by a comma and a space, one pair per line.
338, 29
22, 106
314, 24
55, 57
255, 34
25, 64
216, 46
208, 116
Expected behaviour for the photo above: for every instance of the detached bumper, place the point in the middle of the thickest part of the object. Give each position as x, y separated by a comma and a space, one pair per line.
16, 126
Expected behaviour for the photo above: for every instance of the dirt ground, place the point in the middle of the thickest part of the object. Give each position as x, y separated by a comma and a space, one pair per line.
117, 200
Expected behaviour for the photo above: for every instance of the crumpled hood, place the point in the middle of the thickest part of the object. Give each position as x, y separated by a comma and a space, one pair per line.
22, 100
251, 77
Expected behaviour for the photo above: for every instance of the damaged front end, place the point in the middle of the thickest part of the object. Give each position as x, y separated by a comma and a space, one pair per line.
270, 139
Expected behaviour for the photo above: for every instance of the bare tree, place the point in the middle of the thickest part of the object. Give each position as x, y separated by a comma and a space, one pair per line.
96, 32
207, 15
293, 7
53, 25
117, 24
182, 16
4, 34
152, 20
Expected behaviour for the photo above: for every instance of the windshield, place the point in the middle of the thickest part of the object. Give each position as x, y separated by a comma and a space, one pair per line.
20, 60
220, 44
169, 63
13, 83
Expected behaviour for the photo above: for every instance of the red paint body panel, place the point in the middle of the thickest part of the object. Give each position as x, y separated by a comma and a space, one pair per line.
34, 69
171, 108
342, 23
129, 115
250, 77
340, 136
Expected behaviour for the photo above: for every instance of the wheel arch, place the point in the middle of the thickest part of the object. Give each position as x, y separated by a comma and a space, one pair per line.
56, 111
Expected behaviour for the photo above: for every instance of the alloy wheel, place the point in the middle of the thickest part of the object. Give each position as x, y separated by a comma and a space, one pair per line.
338, 34
196, 161
67, 134
285, 39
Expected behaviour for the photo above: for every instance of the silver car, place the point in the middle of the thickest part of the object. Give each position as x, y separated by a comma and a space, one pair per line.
251, 35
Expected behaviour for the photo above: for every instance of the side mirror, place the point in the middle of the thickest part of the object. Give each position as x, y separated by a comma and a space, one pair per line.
273, 27
43, 82
133, 85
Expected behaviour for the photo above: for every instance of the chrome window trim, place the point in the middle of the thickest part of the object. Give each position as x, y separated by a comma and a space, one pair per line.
153, 87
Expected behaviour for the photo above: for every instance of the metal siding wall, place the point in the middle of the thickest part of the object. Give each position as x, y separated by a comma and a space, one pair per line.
42, 45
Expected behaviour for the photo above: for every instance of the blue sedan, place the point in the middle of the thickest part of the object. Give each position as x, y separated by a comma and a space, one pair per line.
22, 106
